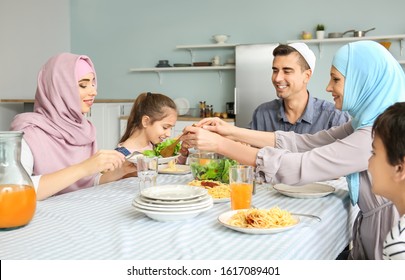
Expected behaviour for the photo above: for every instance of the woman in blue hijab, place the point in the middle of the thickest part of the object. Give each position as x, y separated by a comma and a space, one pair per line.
365, 79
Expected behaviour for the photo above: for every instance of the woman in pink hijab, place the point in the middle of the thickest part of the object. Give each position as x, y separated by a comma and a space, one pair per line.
59, 145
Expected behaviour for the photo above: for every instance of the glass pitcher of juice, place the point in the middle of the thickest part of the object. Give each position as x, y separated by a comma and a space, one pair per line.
17, 192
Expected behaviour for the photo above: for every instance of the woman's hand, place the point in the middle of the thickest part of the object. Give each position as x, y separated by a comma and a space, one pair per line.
103, 161
201, 139
217, 125
114, 166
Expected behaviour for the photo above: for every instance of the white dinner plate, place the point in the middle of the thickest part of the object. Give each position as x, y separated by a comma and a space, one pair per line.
203, 202
221, 200
313, 190
176, 201
179, 208
172, 216
224, 218
181, 169
161, 160
165, 160
183, 106
173, 192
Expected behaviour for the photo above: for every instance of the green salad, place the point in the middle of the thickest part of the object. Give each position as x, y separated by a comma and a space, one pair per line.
217, 170
158, 147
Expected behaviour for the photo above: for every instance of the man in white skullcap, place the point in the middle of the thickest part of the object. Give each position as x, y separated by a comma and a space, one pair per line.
295, 109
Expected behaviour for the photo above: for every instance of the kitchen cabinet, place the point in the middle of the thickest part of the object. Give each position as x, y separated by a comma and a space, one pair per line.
192, 49
320, 42
106, 118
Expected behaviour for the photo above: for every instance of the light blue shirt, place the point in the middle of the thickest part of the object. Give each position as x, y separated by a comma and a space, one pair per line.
318, 115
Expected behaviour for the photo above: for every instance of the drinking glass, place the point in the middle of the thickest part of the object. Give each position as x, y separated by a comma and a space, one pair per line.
241, 184
147, 171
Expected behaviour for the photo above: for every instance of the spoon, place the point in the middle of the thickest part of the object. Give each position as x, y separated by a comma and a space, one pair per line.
169, 150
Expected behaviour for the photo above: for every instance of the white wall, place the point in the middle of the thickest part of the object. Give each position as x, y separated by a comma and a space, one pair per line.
30, 32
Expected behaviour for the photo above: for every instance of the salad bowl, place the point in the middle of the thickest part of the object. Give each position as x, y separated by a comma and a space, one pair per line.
210, 166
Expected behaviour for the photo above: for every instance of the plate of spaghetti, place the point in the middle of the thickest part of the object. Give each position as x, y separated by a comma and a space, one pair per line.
259, 221
220, 192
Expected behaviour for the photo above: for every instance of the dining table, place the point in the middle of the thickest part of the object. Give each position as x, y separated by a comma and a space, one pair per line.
100, 223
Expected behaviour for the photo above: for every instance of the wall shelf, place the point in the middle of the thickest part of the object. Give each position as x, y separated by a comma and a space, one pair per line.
208, 46
191, 49
399, 37
159, 70
170, 69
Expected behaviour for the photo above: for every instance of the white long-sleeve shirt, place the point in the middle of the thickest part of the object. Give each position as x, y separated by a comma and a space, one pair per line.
27, 160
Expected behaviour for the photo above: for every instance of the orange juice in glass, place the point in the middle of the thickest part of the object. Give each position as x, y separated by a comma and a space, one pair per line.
241, 185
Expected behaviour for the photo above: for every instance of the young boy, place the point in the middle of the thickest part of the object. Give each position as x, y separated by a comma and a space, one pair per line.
387, 168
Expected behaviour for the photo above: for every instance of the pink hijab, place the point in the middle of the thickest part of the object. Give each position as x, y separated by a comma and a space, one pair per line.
57, 132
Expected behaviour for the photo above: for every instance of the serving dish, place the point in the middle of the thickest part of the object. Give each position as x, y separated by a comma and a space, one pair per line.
224, 218
313, 190
210, 166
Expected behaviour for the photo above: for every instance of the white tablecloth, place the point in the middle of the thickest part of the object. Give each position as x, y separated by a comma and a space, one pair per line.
100, 223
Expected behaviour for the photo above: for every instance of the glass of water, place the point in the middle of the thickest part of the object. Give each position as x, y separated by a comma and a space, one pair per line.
147, 171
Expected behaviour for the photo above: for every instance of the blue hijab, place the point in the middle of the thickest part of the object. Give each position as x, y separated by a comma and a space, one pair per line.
374, 80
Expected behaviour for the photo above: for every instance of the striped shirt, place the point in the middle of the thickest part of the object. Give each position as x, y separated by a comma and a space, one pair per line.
394, 244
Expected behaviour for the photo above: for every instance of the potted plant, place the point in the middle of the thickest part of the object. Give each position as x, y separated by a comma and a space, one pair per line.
320, 31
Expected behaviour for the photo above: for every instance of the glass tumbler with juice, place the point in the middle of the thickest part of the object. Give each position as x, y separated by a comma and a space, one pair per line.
241, 185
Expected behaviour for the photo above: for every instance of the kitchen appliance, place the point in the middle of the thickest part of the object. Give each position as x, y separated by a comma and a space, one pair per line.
253, 85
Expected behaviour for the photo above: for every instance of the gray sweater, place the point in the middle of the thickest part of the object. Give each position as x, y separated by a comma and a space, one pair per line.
298, 159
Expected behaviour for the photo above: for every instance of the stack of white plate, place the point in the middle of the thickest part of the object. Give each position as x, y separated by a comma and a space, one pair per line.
172, 202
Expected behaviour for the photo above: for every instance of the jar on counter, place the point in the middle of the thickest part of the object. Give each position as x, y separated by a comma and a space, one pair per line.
17, 192
209, 111
202, 109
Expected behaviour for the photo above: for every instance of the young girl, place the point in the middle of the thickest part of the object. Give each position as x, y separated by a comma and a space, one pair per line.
387, 168
152, 117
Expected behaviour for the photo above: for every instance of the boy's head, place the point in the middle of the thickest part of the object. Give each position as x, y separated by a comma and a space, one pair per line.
386, 164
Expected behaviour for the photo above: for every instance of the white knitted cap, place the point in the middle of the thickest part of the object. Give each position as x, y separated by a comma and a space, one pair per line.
306, 52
